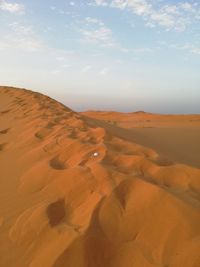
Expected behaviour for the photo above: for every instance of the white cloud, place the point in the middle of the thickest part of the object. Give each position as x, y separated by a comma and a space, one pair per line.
169, 16
139, 7
20, 29
187, 6
21, 37
11, 7
150, 24
189, 47
139, 50
90, 20
94, 31
195, 50
101, 3
101, 36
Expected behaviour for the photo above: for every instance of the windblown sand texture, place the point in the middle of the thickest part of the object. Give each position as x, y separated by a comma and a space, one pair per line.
78, 195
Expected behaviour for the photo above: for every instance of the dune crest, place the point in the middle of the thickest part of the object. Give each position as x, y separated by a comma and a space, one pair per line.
75, 194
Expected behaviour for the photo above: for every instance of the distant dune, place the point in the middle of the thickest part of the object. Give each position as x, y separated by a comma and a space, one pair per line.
77, 190
173, 136
141, 119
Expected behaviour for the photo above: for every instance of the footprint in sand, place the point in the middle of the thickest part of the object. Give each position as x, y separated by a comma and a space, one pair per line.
61, 119
52, 147
43, 133
73, 134
5, 131
56, 212
5, 111
57, 164
60, 113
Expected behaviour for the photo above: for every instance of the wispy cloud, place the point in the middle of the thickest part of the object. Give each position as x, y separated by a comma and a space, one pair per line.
188, 47
101, 36
22, 38
12, 7
140, 50
191, 48
195, 50
94, 31
96, 21
101, 2
169, 16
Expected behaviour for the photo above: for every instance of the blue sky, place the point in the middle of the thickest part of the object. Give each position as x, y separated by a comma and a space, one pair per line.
123, 55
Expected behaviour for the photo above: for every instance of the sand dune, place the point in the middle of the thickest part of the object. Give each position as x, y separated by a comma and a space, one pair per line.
76, 194
175, 137
143, 119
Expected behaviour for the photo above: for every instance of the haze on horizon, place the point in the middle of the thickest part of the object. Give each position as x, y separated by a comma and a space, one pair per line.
122, 55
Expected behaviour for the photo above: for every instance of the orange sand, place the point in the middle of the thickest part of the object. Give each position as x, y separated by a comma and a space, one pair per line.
62, 205
142, 119
175, 137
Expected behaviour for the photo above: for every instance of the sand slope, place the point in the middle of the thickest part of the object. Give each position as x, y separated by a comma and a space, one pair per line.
77, 195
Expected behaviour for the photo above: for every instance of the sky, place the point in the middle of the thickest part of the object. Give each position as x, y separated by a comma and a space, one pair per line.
122, 55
